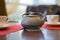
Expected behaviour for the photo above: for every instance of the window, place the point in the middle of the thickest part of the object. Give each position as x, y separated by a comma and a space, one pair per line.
47, 2
26, 2
15, 8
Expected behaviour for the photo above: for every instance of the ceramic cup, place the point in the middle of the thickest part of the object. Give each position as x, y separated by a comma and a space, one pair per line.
53, 19
3, 21
3, 18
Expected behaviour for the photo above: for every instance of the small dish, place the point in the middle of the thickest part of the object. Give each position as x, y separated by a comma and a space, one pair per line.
58, 23
2, 26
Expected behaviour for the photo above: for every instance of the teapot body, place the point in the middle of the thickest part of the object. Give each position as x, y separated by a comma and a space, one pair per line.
32, 22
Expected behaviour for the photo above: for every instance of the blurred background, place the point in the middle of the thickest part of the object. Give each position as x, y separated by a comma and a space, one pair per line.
16, 8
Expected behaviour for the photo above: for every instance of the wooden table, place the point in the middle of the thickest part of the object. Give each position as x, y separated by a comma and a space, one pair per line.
33, 35
23, 35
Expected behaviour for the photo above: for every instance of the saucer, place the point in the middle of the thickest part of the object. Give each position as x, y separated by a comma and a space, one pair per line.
58, 23
2, 26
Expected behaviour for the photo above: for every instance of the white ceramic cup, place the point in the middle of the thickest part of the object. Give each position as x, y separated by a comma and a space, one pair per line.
3, 18
3, 21
53, 19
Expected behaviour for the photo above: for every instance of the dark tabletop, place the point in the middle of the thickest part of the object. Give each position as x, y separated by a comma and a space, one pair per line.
45, 34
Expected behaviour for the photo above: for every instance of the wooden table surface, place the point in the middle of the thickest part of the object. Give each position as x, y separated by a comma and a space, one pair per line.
45, 34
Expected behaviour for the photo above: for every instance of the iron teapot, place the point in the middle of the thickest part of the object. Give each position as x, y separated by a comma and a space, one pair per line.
32, 22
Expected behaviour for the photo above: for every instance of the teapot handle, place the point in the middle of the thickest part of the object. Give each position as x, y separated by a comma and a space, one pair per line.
24, 15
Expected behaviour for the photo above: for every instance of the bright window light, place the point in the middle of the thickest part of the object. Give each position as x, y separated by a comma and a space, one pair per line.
47, 2
27, 2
